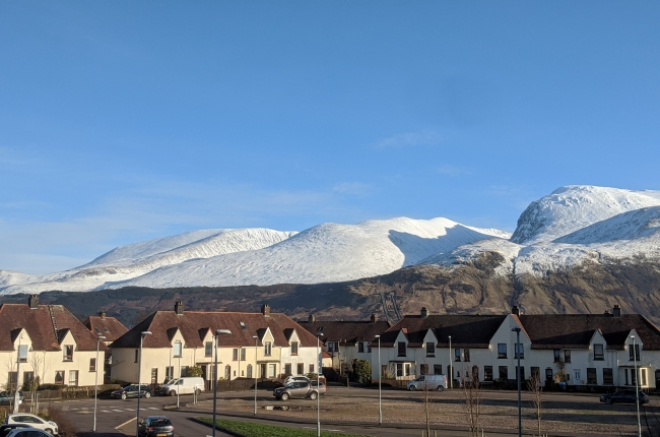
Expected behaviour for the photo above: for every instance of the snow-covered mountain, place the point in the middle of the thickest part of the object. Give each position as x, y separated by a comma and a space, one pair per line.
215, 258
571, 226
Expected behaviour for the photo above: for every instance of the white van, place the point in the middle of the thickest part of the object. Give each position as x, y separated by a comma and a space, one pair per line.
429, 382
184, 385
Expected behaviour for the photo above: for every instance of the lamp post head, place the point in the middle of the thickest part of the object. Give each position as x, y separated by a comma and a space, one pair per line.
100, 337
146, 333
256, 337
516, 329
222, 331
376, 336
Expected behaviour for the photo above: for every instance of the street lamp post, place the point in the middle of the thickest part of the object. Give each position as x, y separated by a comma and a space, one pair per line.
639, 423
517, 331
178, 389
215, 376
96, 377
18, 373
137, 414
256, 352
450, 368
380, 377
319, 363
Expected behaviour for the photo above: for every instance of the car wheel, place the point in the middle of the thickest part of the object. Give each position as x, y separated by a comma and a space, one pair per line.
284, 396
412, 388
147, 394
172, 393
313, 395
441, 388
608, 401
49, 431
123, 396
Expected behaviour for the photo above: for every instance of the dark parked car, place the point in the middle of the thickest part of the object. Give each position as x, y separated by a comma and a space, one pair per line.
300, 389
156, 426
7, 397
627, 396
6, 429
131, 391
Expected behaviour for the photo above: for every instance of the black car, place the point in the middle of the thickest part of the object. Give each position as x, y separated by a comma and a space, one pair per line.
627, 396
131, 391
156, 426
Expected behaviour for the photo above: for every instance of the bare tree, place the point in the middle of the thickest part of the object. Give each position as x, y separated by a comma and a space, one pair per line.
534, 387
469, 381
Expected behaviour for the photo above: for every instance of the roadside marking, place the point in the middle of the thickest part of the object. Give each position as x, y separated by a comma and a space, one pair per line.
153, 408
125, 423
105, 411
118, 411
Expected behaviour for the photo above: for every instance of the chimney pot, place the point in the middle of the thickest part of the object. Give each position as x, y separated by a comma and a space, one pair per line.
616, 311
515, 310
311, 318
178, 308
33, 302
265, 310
102, 314
374, 318
424, 313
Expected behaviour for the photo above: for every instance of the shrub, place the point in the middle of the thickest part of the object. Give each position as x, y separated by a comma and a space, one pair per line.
66, 426
195, 371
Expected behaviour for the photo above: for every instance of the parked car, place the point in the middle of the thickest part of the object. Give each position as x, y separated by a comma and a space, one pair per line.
183, 385
33, 421
627, 396
292, 378
131, 391
27, 432
6, 429
428, 382
300, 389
7, 397
156, 426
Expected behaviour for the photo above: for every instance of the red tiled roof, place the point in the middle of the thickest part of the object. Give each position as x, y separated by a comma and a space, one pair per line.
45, 325
556, 331
193, 325
109, 327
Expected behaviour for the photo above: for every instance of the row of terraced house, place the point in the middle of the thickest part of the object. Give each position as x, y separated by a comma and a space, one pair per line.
48, 342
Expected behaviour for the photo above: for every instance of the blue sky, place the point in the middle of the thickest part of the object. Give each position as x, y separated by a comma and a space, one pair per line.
129, 120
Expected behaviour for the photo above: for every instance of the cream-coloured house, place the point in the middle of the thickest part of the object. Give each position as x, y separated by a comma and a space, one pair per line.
265, 344
46, 342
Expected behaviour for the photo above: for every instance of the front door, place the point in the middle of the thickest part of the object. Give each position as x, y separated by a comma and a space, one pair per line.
263, 371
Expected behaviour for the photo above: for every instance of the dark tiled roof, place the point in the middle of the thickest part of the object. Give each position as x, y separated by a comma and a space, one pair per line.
45, 325
465, 330
556, 331
109, 327
193, 325
349, 332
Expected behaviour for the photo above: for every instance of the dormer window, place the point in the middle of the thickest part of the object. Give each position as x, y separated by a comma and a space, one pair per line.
22, 353
178, 349
68, 352
267, 348
294, 348
401, 348
598, 352
636, 354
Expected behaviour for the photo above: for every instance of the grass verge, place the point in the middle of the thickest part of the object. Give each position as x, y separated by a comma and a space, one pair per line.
247, 429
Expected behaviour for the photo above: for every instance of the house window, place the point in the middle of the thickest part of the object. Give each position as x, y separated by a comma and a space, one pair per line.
567, 356
402, 348
311, 368
92, 364
636, 350
488, 373
208, 349
234, 354
59, 377
501, 350
430, 349
27, 377
267, 348
178, 349
466, 355
598, 352
301, 368
504, 372
287, 369
591, 375
184, 371
242, 354
73, 378
154, 376
437, 369
169, 373
424, 369
557, 355
294, 348
457, 355
360, 347
68, 352
12, 379
535, 373
608, 376
22, 353
520, 351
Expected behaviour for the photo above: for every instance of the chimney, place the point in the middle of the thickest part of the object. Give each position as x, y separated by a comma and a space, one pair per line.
33, 302
515, 310
311, 318
607, 313
178, 308
424, 313
616, 311
102, 314
374, 318
265, 310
